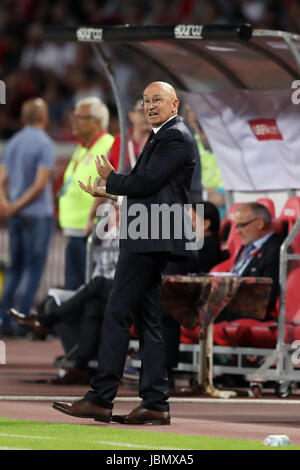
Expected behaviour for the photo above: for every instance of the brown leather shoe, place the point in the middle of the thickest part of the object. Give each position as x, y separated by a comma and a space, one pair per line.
141, 415
72, 376
84, 409
29, 321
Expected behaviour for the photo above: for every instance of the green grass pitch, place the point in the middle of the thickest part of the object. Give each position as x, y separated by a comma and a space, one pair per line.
31, 435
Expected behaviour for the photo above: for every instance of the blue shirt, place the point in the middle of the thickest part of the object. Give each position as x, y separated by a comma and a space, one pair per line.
27, 151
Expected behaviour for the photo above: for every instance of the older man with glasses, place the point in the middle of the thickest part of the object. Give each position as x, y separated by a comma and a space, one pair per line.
259, 254
162, 175
89, 122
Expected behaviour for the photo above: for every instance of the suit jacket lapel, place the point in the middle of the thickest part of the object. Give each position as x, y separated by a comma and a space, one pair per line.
152, 137
258, 254
149, 141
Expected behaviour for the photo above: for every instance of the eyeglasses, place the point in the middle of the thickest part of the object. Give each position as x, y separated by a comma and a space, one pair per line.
242, 225
157, 101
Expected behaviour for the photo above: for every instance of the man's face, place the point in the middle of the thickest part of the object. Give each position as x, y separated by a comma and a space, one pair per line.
83, 124
247, 225
159, 104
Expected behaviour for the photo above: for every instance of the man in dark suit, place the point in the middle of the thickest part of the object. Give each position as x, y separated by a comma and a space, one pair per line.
260, 252
160, 180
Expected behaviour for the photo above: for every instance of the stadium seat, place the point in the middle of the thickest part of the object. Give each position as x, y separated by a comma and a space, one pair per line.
234, 333
256, 333
189, 336
230, 240
227, 222
291, 211
289, 215
225, 334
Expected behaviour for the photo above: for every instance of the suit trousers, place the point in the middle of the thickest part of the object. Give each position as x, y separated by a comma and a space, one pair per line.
134, 299
78, 320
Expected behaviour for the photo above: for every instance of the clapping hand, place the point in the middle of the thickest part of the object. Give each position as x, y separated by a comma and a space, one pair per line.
104, 170
98, 189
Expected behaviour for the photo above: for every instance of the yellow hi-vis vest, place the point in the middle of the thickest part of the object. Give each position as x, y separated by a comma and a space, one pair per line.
74, 204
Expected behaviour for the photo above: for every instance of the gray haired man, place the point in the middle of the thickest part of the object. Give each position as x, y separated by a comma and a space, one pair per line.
89, 125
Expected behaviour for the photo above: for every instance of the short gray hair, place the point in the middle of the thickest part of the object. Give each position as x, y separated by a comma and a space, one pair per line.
260, 211
98, 110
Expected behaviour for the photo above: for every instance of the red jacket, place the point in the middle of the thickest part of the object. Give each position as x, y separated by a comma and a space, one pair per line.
114, 153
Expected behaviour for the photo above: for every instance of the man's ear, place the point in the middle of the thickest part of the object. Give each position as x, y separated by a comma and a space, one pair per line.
262, 224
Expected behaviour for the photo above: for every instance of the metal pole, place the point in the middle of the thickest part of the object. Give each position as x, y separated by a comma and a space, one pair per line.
288, 38
284, 258
122, 122
121, 115
229, 199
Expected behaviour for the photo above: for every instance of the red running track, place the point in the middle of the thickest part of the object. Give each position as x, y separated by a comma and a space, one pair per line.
27, 361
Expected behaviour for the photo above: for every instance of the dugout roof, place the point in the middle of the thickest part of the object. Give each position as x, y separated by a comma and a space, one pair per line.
201, 58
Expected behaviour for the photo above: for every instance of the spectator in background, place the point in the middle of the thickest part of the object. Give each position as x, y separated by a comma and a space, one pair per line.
211, 178
89, 125
136, 139
84, 84
46, 55
78, 320
26, 199
259, 256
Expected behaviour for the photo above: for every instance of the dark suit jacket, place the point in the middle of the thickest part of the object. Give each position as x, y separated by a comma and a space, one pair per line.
161, 176
202, 261
265, 263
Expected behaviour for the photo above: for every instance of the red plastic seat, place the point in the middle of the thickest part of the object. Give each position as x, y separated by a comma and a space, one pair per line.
278, 226
239, 333
297, 333
265, 335
227, 222
189, 336
291, 211
289, 215
250, 332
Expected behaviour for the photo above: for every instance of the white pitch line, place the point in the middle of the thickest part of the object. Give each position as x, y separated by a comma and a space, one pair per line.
109, 443
140, 446
223, 401
13, 448
25, 436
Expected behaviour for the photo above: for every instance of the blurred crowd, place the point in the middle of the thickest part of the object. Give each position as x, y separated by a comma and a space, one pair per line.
62, 73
